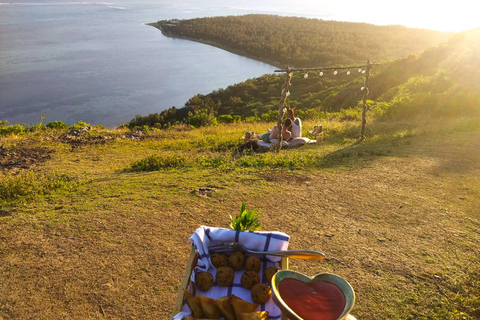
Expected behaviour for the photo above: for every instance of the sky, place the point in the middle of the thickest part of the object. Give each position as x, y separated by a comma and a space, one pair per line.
442, 15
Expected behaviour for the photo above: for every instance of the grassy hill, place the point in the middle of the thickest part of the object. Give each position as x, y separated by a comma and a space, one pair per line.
442, 80
95, 224
303, 42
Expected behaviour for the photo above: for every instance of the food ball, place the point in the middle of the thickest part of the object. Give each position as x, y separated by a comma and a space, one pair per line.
219, 260
269, 272
261, 293
237, 260
204, 281
249, 279
225, 276
253, 264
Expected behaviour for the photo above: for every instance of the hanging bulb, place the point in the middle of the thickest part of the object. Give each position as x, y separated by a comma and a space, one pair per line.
362, 88
288, 93
348, 72
363, 71
321, 73
306, 75
335, 72
360, 70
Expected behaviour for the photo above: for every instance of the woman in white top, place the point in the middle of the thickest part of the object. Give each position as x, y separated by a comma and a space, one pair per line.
296, 123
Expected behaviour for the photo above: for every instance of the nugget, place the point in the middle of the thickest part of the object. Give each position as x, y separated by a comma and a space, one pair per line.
253, 264
249, 279
204, 281
219, 260
225, 276
269, 272
237, 260
261, 293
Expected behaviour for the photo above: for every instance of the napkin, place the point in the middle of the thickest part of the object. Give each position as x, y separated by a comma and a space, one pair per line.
205, 236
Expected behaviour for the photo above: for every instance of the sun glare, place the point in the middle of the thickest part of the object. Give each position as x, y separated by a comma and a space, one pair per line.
459, 15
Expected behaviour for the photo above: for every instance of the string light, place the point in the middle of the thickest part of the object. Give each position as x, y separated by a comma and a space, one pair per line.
288, 93
363, 71
348, 72
335, 72
360, 70
362, 88
306, 75
321, 74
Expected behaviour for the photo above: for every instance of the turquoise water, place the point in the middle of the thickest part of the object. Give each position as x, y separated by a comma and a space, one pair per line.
98, 62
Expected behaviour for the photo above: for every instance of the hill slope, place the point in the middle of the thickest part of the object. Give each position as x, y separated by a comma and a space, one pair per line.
442, 80
303, 42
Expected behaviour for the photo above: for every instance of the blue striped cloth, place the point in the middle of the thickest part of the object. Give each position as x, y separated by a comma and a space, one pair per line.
261, 241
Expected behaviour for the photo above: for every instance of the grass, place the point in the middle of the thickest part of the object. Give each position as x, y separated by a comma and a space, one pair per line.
102, 228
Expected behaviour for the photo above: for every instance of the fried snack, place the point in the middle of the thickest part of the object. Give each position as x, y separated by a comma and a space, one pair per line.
225, 306
269, 272
237, 260
253, 264
261, 293
259, 315
225, 276
249, 279
219, 260
240, 306
210, 310
204, 281
194, 304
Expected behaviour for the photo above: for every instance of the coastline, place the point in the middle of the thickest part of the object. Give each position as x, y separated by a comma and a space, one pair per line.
217, 45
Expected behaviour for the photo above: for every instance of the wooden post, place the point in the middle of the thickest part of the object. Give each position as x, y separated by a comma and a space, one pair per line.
364, 111
281, 106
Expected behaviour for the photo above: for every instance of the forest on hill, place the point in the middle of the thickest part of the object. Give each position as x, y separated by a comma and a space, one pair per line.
443, 80
303, 42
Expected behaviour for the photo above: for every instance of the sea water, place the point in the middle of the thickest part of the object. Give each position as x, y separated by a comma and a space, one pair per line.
97, 62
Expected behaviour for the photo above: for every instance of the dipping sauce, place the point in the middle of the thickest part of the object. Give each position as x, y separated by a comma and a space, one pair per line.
320, 300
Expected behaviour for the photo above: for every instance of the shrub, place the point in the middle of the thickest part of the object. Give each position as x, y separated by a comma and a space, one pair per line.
201, 118
79, 124
6, 128
225, 118
156, 162
57, 125
28, 185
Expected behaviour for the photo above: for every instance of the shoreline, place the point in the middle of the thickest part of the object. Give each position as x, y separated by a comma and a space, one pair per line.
215, 44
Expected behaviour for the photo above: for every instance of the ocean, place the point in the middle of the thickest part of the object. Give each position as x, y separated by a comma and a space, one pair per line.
97, 62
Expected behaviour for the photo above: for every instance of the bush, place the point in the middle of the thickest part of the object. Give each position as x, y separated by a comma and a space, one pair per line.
80, 124
201, 118
156, 162
57, 125
6, 128
28, 185
225, 118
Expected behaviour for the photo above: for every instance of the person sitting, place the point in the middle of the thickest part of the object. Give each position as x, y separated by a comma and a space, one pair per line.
273, 134
296, 123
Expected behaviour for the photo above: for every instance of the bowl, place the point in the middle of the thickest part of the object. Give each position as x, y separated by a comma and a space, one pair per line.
339, 282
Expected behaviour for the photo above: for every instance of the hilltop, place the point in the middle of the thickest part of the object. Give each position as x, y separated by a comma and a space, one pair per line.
303, 42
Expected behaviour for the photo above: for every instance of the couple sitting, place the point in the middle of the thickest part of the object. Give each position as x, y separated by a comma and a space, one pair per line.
292, 128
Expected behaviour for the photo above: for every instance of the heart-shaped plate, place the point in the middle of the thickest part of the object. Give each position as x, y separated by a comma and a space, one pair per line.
339, 282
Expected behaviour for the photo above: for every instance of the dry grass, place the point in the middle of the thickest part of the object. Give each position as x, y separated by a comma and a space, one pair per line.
398, 217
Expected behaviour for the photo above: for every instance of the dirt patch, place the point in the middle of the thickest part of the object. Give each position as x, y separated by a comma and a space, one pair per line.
23, 156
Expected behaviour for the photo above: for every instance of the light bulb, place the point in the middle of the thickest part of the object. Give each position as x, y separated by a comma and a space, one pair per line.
363, 71
360, 70
321, 73
335, 72
362, 88
306, 75
288, 93
348, 72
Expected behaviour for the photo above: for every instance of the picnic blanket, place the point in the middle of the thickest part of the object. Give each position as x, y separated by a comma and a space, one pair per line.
295, 142
205, 236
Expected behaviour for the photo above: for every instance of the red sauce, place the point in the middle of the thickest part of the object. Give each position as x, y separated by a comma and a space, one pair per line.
320, 300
